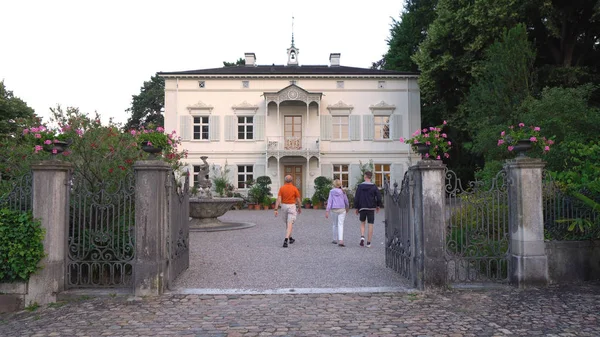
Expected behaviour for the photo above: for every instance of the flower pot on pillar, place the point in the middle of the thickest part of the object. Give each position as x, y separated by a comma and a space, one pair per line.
152, 150
57, 147
423, 149
522, 146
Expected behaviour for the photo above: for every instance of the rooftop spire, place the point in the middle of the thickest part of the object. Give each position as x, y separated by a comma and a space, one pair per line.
292, 31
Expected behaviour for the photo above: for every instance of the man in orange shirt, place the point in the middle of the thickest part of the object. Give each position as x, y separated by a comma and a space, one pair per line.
288, 197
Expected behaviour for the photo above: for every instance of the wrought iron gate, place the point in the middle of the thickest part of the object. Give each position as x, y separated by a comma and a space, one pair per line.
100, 246
477, 232
399, 229
20, 196
178, 232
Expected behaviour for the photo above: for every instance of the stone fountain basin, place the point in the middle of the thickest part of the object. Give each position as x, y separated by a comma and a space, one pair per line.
210, 208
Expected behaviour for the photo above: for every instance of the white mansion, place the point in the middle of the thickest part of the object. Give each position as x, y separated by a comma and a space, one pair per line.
302, 120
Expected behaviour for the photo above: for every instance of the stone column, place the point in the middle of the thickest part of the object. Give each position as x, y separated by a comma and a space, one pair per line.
430, 218
51, 206
528, 261
150, 269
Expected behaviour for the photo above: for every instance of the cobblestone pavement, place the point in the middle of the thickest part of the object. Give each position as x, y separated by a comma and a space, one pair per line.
552, 311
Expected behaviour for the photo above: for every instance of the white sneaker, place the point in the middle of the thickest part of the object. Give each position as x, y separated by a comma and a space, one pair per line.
368, 245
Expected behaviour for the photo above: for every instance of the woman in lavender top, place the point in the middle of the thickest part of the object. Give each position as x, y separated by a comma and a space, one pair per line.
338, 205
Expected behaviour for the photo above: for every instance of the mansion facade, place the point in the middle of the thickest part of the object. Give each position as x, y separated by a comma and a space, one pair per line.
302, 120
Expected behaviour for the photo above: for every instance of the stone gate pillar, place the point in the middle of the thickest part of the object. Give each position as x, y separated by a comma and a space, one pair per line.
430, 218
150, 269
51, 206
529, 263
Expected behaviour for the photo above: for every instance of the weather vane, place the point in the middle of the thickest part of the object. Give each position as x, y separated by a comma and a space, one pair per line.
292, 30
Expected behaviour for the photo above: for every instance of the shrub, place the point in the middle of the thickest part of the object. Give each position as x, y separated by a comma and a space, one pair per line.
21, 245
322, 187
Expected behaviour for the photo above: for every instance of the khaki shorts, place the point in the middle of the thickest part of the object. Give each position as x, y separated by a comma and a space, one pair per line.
289, 213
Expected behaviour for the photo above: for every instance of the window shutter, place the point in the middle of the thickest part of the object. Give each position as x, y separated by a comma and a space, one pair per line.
326, 127
259, 170
355, 175
259, 127
396, 126
230, 128
327, 170
185, 127
354, 127
369, 127
213, 122
397, 174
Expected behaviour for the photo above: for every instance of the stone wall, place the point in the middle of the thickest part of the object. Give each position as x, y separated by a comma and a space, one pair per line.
573, 261
13, 296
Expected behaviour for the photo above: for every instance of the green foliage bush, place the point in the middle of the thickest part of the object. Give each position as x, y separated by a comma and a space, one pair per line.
260, 192
322, 187
21, 245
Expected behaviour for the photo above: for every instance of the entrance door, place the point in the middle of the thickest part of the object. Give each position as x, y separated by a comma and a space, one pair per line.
293, 132
296, 172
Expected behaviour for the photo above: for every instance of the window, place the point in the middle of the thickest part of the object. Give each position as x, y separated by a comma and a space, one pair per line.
293, 82
201, 127
381, 171
340, 127
245, 84
196, 179
341, 172
201, 84
382, 127
340, 84
245, 127
381, 85
245, 173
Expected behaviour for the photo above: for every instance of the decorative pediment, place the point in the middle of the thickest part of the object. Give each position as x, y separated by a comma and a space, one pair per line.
200, 106
340, 108
293, 93
245, 107
382, 108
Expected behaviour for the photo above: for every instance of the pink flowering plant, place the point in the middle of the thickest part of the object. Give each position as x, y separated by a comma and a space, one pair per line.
433, 137
152, 136
508, 139
42, 137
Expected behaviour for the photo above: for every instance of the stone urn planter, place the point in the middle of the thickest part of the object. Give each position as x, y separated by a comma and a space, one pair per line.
57, 147
152, 150
523, 145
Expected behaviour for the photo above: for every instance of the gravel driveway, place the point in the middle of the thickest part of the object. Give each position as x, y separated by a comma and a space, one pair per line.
253, 259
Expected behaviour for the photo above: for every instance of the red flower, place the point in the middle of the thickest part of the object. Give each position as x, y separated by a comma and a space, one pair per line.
110, 170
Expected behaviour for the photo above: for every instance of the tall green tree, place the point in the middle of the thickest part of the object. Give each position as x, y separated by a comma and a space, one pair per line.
148, 106
12, 109
239, 62
406, 34
503, 80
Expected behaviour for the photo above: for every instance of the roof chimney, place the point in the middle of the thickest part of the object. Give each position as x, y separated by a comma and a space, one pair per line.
250, 59
334, 59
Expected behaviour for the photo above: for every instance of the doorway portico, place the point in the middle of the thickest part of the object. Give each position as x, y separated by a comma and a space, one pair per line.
292, 129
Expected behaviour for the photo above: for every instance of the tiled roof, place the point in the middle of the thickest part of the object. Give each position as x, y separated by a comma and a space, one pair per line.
288, 70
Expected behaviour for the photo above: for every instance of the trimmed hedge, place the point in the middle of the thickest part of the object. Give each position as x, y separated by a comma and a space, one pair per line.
21, 245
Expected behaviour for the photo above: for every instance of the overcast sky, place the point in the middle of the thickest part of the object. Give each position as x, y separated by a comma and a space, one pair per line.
96, 55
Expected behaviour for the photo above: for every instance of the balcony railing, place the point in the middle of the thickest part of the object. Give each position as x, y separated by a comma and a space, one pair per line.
292, 144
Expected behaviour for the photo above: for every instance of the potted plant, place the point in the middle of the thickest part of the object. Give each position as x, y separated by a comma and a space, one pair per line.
322, 187
430, 142
273, 202
46, 139
316, 201
254, 197
521, 139
263, 190
153, 141
306, 202
266, 203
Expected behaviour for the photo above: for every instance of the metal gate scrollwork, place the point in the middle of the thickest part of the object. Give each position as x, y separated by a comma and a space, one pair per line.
477, 230
101, 233
399, 228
